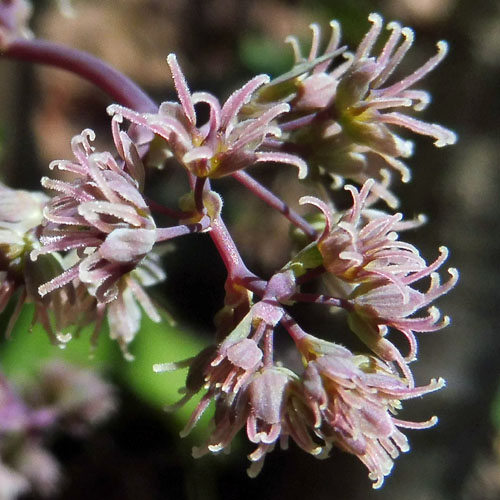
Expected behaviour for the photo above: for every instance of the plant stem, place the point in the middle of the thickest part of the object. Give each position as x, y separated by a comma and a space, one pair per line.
89, 67
274, 202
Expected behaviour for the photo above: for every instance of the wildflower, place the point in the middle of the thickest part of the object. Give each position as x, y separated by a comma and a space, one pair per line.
21, 213
354, 399
102, 221
240, 377
221, 370
268, 396
378, 270
342, 117
359, 248
376, 308
361, 98
225, 143
101, 213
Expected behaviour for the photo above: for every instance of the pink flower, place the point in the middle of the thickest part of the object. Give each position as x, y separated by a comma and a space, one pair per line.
343, 117
102, 222
101, 213
225, 143
361, 248
354, 400
378, 307
376, 270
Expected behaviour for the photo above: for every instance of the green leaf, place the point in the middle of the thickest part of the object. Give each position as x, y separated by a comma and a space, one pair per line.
27, 348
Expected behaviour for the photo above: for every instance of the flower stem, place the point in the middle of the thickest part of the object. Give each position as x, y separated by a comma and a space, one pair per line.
199, 187
274, 202
168, 233
112, 82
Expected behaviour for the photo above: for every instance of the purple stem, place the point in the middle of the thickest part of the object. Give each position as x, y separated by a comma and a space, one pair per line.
229, 253
168, 233
89, 67
293, 328
274, 202
169, 212
199, 187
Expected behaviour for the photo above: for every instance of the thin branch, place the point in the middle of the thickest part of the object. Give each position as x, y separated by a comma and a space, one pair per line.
112, 82
274, 202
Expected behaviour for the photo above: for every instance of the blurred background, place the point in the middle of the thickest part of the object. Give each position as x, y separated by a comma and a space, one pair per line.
221, 44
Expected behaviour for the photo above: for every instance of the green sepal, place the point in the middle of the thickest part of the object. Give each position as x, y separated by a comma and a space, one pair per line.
308, 258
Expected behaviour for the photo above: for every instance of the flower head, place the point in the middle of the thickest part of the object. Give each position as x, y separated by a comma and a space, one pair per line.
101, 214
225, 143
21, 213
375, 272
342, 115
363, 246
354, 399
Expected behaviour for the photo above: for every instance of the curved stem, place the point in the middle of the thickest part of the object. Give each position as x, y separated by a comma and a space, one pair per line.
293, 329
112, 82
274, 202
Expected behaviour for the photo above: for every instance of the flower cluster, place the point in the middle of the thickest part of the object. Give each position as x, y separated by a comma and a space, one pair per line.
62, 398
223, 145
374, 270
341, 118
103, 221
89, 252
340, 399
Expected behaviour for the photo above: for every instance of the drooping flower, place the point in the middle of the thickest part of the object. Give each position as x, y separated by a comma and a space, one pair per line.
341, 116
241, 379
124, 314
377, 271
225, 143
102, 222
378, 308
101, 214
354, 400
21, 213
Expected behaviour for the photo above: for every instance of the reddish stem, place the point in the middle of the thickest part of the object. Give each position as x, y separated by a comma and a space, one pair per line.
89, 67
274, 202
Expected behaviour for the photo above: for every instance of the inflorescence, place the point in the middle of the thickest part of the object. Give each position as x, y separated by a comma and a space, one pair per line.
88, 253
